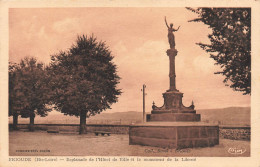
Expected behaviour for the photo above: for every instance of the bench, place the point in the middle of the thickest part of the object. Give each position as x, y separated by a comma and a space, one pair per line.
102, 133
53, 130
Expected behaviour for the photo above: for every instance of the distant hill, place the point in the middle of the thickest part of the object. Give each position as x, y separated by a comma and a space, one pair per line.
102, 118
225, 116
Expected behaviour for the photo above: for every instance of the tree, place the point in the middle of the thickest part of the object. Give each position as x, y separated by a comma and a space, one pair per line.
84, 79
28, 90
230, 43
13, 99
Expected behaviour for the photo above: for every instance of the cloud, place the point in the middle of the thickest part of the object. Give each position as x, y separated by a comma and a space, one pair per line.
149, 57
204, 65
119, 48
66, 25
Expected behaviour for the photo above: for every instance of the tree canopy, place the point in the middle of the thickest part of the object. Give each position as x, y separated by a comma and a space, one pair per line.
84, 79
29, 93
230, 43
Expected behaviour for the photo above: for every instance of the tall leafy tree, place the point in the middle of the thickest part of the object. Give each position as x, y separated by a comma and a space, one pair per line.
230, 43
84, 79
29, 93
13, 95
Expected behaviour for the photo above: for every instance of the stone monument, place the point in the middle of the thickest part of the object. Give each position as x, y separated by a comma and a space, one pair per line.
173, 125
173, 109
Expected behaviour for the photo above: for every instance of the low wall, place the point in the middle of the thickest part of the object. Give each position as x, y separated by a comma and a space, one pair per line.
115, 129
226, 132
235, 133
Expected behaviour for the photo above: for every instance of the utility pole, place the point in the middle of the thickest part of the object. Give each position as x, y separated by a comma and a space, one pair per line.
144, 86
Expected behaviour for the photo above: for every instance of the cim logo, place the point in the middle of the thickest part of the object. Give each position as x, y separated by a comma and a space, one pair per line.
235, 150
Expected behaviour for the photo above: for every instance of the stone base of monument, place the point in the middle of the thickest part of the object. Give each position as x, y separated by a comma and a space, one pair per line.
176, 135
178, 117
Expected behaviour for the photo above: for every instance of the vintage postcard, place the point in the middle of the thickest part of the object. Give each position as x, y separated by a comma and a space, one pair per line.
130, 83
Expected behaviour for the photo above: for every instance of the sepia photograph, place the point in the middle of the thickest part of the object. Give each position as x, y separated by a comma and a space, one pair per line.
126, 83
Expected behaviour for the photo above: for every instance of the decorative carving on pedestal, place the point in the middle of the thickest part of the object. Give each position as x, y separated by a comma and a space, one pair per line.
173, 100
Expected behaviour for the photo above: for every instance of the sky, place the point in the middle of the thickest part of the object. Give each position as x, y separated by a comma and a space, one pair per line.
138, 40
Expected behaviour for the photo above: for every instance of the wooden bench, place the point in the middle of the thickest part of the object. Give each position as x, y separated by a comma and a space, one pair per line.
53, 130
102, 133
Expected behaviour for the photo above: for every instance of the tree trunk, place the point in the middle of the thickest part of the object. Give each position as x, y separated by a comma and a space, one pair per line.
31, 126
82, 126
15, 121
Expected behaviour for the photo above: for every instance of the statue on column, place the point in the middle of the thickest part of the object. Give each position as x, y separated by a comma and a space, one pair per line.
170, 34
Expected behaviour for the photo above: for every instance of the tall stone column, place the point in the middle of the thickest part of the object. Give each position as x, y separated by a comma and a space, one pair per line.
172, 53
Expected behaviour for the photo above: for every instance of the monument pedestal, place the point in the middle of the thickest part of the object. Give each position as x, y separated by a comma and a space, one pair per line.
178, 117
176, 135
173, 109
